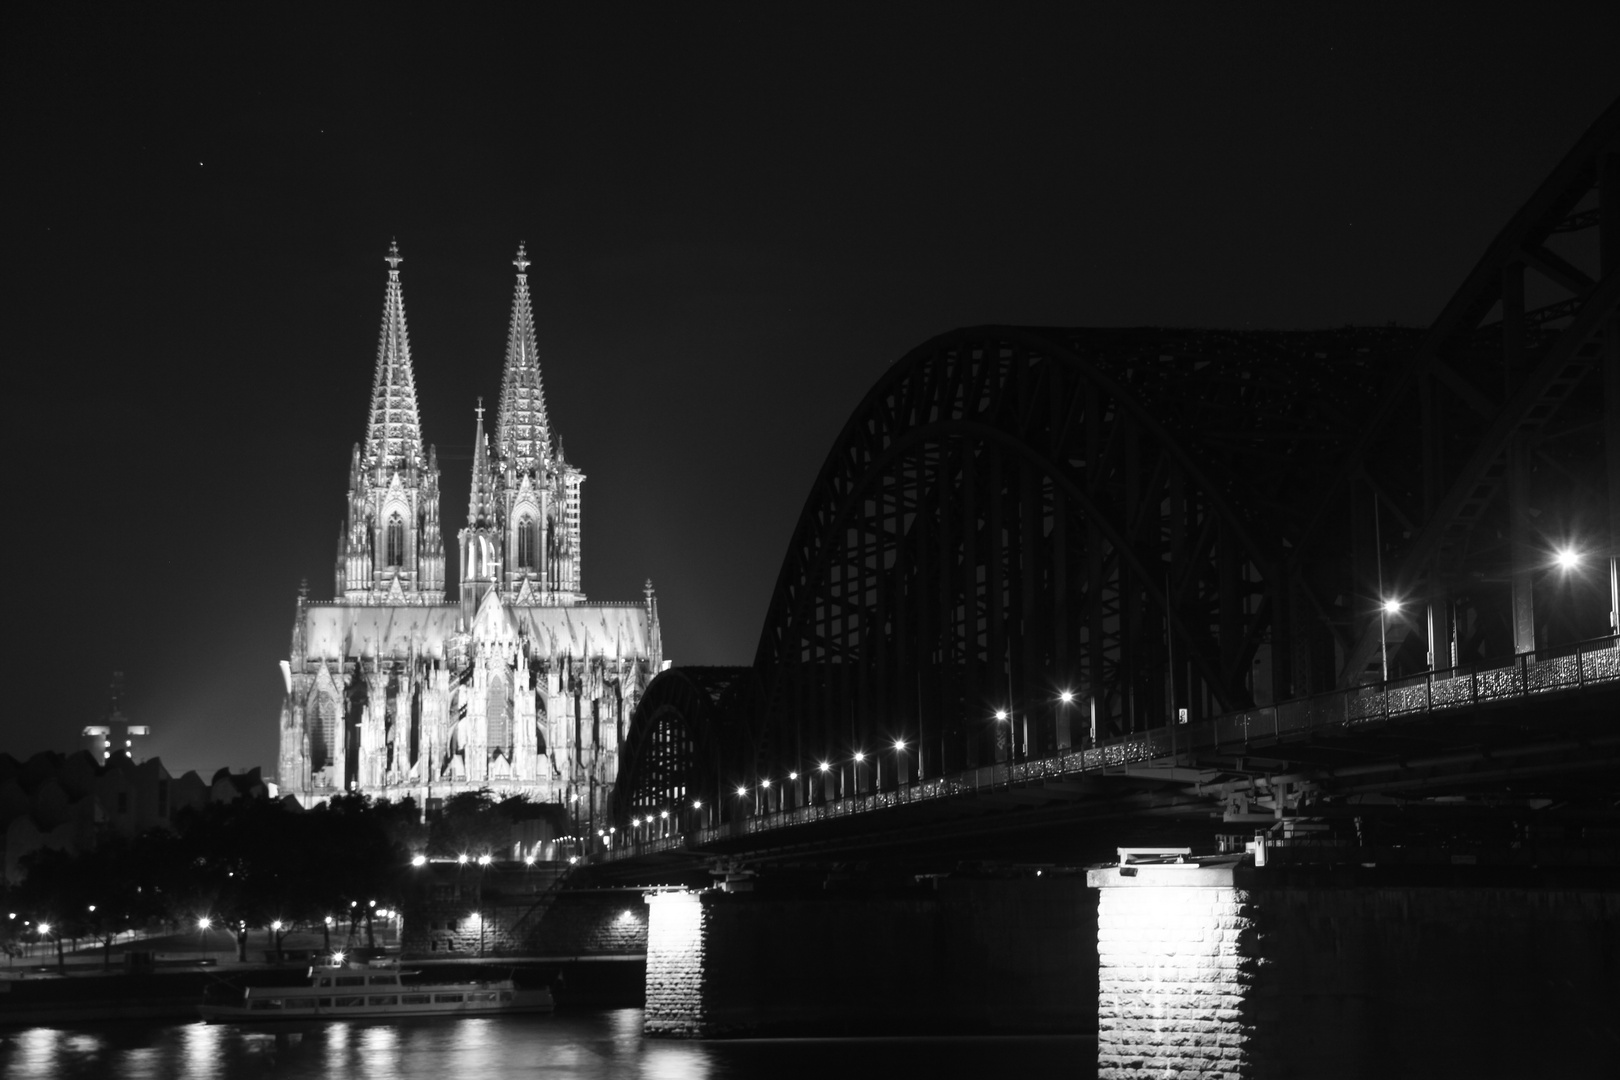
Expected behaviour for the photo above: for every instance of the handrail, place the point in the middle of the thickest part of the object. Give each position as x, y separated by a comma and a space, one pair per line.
1548, 670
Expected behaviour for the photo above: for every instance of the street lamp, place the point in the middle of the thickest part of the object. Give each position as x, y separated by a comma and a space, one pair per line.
419, 860
1389, 607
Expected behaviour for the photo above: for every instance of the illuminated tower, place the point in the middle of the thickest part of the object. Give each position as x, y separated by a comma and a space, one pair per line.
390, 550
537, 504
117, 735
480, 540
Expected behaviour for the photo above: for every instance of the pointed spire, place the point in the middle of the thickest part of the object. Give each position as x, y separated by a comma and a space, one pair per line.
522, 431
393, 427
481, 506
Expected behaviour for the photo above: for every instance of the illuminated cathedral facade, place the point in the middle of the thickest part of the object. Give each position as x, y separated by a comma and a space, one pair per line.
514, 681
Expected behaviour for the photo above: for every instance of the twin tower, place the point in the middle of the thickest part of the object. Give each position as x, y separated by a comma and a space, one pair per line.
395, 688
522, 536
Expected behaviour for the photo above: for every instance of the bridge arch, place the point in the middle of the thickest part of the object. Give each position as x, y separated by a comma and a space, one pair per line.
1158, 524
682, 743
1015, 513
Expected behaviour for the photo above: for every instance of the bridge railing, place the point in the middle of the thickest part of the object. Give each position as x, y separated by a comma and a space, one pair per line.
1548, 670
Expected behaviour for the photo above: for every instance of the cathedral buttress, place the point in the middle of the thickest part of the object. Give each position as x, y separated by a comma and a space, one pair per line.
391, 550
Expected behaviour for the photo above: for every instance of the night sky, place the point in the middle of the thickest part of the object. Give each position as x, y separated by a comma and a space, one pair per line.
738, 217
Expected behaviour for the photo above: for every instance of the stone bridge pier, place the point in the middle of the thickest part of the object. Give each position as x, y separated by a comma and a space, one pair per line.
1013, 954
1218, 968
1468, 966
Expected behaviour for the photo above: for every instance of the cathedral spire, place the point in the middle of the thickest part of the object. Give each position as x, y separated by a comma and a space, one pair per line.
393, 427
481, 505
522, 431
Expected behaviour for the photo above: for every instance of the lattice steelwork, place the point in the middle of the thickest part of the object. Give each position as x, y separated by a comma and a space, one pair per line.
1157, 521
673, 753
1162, 524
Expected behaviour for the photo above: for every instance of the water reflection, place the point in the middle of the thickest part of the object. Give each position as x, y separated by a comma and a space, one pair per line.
588, 1046
202, 1049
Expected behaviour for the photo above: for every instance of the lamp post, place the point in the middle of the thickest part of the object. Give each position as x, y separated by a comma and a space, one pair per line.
1388, 607
899, 765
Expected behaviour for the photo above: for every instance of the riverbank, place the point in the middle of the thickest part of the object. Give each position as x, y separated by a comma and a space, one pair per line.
42, 995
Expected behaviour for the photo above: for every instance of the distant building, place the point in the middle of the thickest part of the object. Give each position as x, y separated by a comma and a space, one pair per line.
117, 735
518, 684
68, 802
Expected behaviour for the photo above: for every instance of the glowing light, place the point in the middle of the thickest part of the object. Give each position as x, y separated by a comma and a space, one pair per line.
741, 790
765, 783
1391, 607
462, 858
859, 756
793, 776
420, 860
528, 860
337, 957
276, 925
899, 744
626, 916
697, 804
1067, 697
329, 920
663, 813
204, 923
825, 766
44, 927
1568, 559
1001, 714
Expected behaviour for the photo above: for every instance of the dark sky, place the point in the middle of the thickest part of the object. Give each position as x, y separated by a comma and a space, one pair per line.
738, 217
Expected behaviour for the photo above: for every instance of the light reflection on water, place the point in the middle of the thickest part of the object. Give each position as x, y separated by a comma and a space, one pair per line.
584, 1045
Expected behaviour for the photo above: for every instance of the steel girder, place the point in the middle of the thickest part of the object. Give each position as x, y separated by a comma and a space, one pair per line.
1163, 520
679, 738
1015, 512
1488, 449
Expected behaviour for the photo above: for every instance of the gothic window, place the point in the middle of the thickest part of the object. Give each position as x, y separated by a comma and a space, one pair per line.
528, 541
498, 716
396, 541
323, 732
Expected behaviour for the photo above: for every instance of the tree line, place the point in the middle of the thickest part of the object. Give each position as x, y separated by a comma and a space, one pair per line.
253, 865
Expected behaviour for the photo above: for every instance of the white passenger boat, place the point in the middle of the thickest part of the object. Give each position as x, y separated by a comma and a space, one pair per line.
355, 993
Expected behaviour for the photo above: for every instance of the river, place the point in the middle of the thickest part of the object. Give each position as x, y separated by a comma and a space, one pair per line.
565, 1044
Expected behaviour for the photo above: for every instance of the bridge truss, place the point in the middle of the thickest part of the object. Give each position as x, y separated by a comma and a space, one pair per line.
1026, 539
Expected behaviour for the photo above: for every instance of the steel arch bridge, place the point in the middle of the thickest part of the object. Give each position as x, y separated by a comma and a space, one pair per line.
1093, 532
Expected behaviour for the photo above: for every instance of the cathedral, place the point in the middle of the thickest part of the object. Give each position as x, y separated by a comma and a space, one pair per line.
514, 682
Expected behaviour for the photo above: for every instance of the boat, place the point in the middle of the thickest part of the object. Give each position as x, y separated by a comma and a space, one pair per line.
377, 991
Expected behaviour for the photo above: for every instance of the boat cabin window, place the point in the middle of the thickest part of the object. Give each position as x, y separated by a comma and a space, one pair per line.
326, 980
385, 980
351, 980
325, 1003
348, 1002
415, 999
387, 999
445, 999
